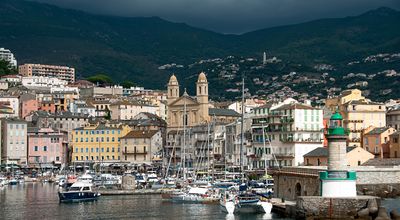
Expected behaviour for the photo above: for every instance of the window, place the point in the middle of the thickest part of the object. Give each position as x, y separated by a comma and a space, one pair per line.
108, 139
36, 148
44, 148
112, 139
108, 149
376, 140
76, 158
81, 150
102, 149
76, 150
112, 149
87, 150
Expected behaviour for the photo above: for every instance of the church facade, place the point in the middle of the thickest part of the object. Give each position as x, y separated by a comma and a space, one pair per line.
186, 110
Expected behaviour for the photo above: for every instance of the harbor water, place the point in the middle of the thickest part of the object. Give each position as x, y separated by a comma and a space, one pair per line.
40, 201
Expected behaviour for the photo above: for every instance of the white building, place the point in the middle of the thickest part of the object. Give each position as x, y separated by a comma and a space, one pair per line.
125, 110
14, 141
11, 78
42, 82
81, 107
5, 54
293, 129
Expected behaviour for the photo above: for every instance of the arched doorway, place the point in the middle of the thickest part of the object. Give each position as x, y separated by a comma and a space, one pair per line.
298, 190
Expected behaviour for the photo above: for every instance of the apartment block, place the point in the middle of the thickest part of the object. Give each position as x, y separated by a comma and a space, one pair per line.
61, 72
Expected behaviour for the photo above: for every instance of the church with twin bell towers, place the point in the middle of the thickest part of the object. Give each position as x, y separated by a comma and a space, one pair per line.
196, 108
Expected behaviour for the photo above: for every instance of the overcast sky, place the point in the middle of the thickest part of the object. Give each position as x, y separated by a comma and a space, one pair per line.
229, 16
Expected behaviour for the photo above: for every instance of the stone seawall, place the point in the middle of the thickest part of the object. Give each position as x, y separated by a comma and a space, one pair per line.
315, 207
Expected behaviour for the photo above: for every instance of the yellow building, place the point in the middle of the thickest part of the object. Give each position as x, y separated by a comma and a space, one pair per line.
376, 141
97, 142
358, 113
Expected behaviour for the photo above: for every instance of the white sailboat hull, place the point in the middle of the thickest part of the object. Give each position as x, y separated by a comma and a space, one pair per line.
260, 207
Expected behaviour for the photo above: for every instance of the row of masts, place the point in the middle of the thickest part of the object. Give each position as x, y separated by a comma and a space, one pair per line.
183, 161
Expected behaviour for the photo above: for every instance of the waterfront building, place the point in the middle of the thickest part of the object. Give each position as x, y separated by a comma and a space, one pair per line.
28, 104
377, 141
142, 147
358, 113
47, 148
235, 157
355, 156
127, 110
292, 129
7, 55
394, 146
393, 117
14, 141
13, 102
61, 72
97, 143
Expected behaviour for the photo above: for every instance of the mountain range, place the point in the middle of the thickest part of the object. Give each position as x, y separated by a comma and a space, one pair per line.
133, 48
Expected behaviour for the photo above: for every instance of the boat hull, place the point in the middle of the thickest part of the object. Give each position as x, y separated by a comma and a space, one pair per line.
231, 207
78, 196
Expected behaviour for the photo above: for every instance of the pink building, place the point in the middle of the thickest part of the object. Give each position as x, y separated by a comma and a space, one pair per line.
46, 147
29, 104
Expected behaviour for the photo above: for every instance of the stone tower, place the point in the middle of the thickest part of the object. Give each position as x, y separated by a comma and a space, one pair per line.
172, 95
202, 96
337, 181
173, 89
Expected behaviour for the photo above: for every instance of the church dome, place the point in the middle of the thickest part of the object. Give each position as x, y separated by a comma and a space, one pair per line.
202, 77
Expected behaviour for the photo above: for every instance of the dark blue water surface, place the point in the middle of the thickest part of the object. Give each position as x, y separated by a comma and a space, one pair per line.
40, 201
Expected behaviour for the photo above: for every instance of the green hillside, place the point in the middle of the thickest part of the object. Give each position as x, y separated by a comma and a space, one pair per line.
133, 48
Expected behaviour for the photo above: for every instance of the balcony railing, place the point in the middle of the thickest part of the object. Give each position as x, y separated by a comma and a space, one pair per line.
134, 152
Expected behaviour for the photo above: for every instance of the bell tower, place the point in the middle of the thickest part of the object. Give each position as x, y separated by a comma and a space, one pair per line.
173, 89
202, 96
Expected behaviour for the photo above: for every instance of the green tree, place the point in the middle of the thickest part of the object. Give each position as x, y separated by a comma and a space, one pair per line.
127, 84
6, 68
100, 78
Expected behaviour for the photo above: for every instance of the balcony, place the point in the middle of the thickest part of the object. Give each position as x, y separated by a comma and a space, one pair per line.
134, 152
297, 140
287, 120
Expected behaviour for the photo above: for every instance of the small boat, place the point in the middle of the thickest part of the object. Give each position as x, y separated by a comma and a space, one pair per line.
79, 192
244, 203
13, 181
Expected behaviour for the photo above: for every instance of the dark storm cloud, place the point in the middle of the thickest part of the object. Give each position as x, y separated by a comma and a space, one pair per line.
229, 16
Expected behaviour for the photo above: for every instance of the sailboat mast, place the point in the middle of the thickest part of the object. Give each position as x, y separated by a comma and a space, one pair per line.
241, 130
184, 139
